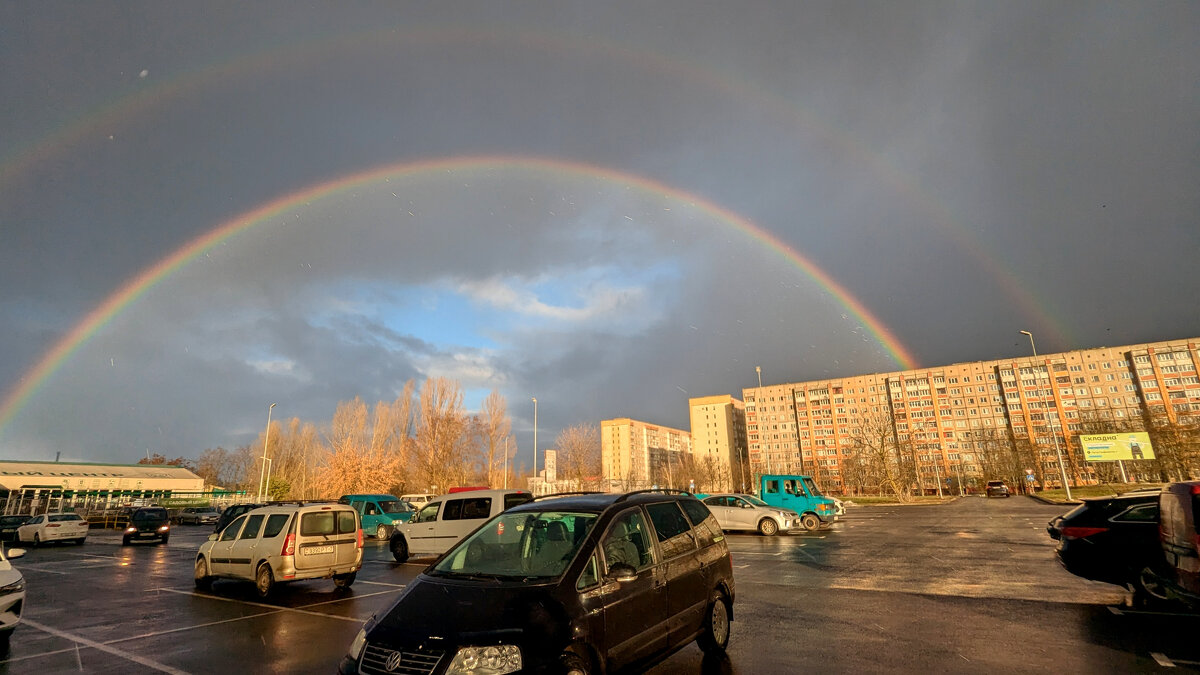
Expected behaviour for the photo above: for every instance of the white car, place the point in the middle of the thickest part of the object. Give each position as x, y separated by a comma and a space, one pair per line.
747, 512
12, 596
53, 527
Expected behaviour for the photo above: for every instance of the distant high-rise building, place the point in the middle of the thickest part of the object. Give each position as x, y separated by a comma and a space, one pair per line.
635, 454
945, 418
719, 443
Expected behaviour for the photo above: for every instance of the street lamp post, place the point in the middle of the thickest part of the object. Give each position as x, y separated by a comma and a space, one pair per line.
534, 399
262, 470
1062, 469
506, 462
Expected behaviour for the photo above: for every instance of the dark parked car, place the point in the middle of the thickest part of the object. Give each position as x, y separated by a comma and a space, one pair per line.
148, 523
996, 488
9, 525
1177, 574
577, 584
1110, 539
232, 512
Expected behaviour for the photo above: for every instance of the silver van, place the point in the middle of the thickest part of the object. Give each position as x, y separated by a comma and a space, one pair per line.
446, 519
279, 543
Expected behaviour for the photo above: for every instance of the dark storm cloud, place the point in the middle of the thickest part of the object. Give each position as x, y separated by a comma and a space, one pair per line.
965, 170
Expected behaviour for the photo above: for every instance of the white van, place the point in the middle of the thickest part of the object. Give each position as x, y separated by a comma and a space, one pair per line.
444, 520
280, 543
417, 500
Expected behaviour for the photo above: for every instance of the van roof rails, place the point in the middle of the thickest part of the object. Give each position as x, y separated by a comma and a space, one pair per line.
565, 494
673, 491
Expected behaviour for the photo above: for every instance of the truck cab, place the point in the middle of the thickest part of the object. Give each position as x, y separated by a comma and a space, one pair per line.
800, 494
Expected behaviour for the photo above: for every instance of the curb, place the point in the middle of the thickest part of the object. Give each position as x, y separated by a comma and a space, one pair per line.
1052, 502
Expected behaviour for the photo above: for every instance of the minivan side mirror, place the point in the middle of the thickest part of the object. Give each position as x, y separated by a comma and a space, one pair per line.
622, 573
212, 537
14, 553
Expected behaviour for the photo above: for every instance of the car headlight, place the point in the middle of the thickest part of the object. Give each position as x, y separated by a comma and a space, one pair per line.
15, 587
164, 528
130, 530
493, 660
357, 645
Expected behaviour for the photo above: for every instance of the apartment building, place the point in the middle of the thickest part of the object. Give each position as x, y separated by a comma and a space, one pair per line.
636, 454
945, 414
719, 450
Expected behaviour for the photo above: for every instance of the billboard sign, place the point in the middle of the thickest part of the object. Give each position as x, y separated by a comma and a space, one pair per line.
1112, 447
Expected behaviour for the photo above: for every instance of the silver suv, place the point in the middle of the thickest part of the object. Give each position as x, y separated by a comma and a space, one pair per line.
280, 543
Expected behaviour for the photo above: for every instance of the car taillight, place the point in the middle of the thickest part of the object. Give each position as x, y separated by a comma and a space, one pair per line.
1081, 532
1196, 489
360, 538
289, 545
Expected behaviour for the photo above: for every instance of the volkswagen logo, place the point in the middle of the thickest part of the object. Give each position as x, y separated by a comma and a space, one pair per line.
393, 661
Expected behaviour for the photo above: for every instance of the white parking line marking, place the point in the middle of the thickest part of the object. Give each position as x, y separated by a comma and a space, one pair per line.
259, 604
105, 648
1162, 660
380, 583
348, 597
24, 567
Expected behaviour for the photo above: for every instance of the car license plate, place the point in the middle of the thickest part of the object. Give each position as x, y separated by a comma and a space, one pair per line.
315, 550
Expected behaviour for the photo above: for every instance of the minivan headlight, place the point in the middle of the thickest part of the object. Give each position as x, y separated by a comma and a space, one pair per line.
494, 660
357, 644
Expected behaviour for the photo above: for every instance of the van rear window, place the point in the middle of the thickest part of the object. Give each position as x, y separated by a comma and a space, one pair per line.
347, 522
318, 523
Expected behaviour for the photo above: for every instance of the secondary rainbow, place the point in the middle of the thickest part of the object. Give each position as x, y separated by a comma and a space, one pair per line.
138, 285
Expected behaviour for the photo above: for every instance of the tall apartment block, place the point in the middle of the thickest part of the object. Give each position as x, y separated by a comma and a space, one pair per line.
719, 449
636, 454
942, 412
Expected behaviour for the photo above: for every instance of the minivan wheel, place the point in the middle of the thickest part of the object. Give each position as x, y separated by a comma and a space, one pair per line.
767, 527
574, 664
716, 626
203, 581
399, 549
344, 580
264, 581
381, 532
811, 522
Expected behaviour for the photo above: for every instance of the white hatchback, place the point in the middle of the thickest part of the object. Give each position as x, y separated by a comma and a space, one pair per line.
54, 527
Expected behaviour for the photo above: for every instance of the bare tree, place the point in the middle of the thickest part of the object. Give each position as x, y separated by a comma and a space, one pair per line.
492, 427
876, 446
355, 461
442, 452
579, 453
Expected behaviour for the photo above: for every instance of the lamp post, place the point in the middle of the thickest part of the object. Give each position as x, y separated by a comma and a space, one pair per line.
262, 469
534, 399
506, 462
1062, 469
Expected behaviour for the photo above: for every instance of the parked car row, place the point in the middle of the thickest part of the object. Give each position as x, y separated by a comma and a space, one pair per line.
1148, 541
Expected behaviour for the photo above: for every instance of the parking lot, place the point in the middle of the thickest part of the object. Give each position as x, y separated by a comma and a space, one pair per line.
966, 586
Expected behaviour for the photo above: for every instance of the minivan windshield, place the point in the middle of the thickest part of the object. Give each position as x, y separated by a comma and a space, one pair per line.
519, 546
394, 506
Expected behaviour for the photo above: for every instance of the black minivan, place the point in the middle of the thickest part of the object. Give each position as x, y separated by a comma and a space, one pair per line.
588, 583
147, 523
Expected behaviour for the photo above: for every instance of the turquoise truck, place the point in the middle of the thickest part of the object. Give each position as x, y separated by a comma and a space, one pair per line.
800, 494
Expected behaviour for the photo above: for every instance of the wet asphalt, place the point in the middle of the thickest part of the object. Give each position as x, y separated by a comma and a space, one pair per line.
963, 587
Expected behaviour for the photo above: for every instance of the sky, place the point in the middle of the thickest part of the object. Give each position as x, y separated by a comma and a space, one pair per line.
206, 208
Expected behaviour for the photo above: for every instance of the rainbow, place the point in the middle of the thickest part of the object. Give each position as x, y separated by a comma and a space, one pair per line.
148, 278
97, 123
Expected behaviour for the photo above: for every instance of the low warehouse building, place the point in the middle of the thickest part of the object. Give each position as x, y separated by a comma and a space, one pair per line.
50, 487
